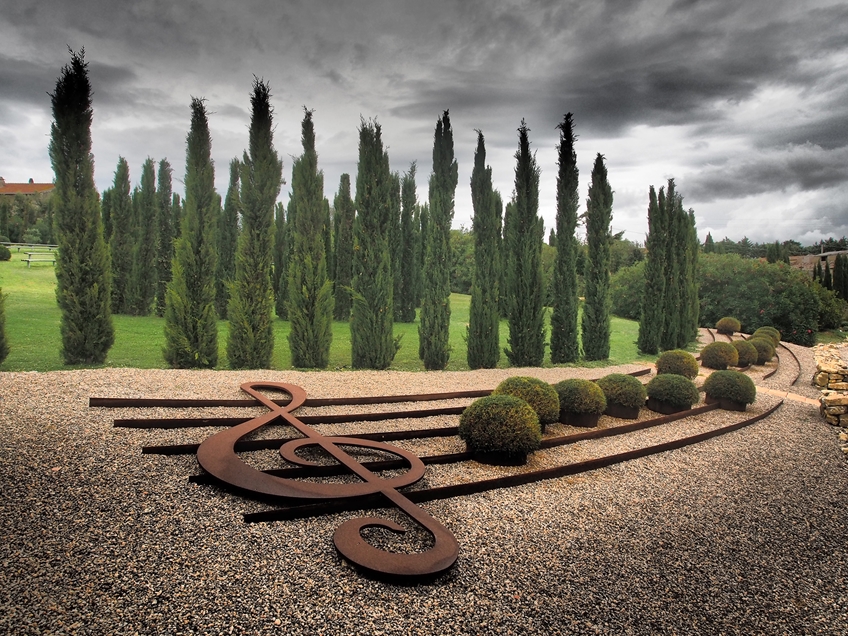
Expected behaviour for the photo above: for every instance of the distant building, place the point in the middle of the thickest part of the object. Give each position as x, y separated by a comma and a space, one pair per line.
807, 262
30, 189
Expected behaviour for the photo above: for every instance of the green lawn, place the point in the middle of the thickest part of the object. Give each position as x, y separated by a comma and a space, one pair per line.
32, 329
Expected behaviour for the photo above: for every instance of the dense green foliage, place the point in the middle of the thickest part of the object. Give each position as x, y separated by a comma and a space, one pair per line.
627, 286
343, 244
840, 276
524, 287
652, 303
673, 389
228, 234
500, 424
83, 270
165, 234
730, 385
540, 395
764, 347
728, 325
719, 355
5, 254
833, 311
142, 289
623, 390
434, 345
407, 300
191, 335
251, 338
580, 396
596, 319
121, 241
4, 344
565, 346
677, 362
484, 319
747, 353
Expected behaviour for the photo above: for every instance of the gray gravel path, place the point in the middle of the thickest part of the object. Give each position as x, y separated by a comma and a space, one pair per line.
743, 534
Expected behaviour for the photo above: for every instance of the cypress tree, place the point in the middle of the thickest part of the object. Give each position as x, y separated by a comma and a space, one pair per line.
506, 293
422, 213
105, 210
191, 332
228, 233
673, 300
827, 279
372, 343
694, 306
344, 217
165, 237
328, 238
177, 206
281, 259
251, 341
709, 244
653, 298
143, 288
4, 344
596, 319
433, 332
122, 240
565, 345
83, 280
405, 300
483, 332
310, 304
523, 234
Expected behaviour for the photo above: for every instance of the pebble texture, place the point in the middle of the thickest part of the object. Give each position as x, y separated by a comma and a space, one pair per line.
742, 534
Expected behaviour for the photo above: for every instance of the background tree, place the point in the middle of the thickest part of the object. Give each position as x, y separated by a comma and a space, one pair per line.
282, 221
122, 240
228, 233
105, 213
565, 345
251, 341
177, 206
372, 343
343, 244
827, 279
422, 213
310, 306
523, 233
433, 332
690, 307
191, 331
405, 297
483, 332
596, 319
83, 282
653, 299
165, 236
709, 244
143, 284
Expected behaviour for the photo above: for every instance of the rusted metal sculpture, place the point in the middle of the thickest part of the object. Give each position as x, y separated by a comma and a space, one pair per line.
218, 457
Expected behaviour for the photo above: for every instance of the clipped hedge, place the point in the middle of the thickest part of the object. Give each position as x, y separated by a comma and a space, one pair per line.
676, 390
719, 355
764, 348
540, 395
500, 424
623, 390
769, 332
677, 362
730, 385
747, 353
580, 396
728, 325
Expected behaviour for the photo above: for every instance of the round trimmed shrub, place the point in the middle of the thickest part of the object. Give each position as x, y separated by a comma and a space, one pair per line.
677, 362
770, 332
730, 385
764, 348
747, 353
728, 325
719, 355
623, 390
500, 424
580, 396
676, 390
5, 254
540, 395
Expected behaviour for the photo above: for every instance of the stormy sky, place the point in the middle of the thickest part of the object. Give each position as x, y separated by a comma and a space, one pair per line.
744, 104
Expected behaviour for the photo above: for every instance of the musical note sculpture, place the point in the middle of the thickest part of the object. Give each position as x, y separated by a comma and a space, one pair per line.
218, 457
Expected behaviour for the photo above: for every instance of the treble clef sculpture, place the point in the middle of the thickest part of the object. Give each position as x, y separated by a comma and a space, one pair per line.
217, 456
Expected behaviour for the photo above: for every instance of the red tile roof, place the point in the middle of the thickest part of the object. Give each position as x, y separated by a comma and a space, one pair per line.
12, 189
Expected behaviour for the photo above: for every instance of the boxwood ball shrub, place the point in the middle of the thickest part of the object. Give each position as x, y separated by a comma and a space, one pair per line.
719, 355
677, 362
623, 390
730, 385
500, 424
764, 348
580, 396
770, 332
540, 395
728, 325
5, 254
747, 353
672, 389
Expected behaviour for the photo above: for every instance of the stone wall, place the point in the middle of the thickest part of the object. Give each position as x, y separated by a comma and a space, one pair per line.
832, 378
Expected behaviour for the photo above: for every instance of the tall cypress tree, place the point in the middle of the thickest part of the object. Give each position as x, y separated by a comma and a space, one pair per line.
422, 213
191, 331
433, 332
827, 279
228, 232
344, 217
83, 271
251, 341
405, 299
310, 305
709, 244
143, 287
565, 346
596, 318
105, 213
523, 234
483, 335
506, 292
673, 299
281, 258
165, 236
372, 343
693, 315
177, 207
653, 298
122, 240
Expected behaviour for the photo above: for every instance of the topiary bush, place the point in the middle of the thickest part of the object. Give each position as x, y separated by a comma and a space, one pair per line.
5, 254
540, 395
764, 348
769, 332
719, 355
677, 362
675, 390
623, 390
747, 353
500, 424
730, 385
580, 396
728, 325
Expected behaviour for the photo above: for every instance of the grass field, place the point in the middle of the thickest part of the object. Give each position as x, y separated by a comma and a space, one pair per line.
32, 329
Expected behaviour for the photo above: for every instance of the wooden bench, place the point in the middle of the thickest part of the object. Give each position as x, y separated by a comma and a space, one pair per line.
39, 257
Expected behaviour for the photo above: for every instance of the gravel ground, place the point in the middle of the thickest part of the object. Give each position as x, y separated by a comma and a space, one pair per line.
742, 534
